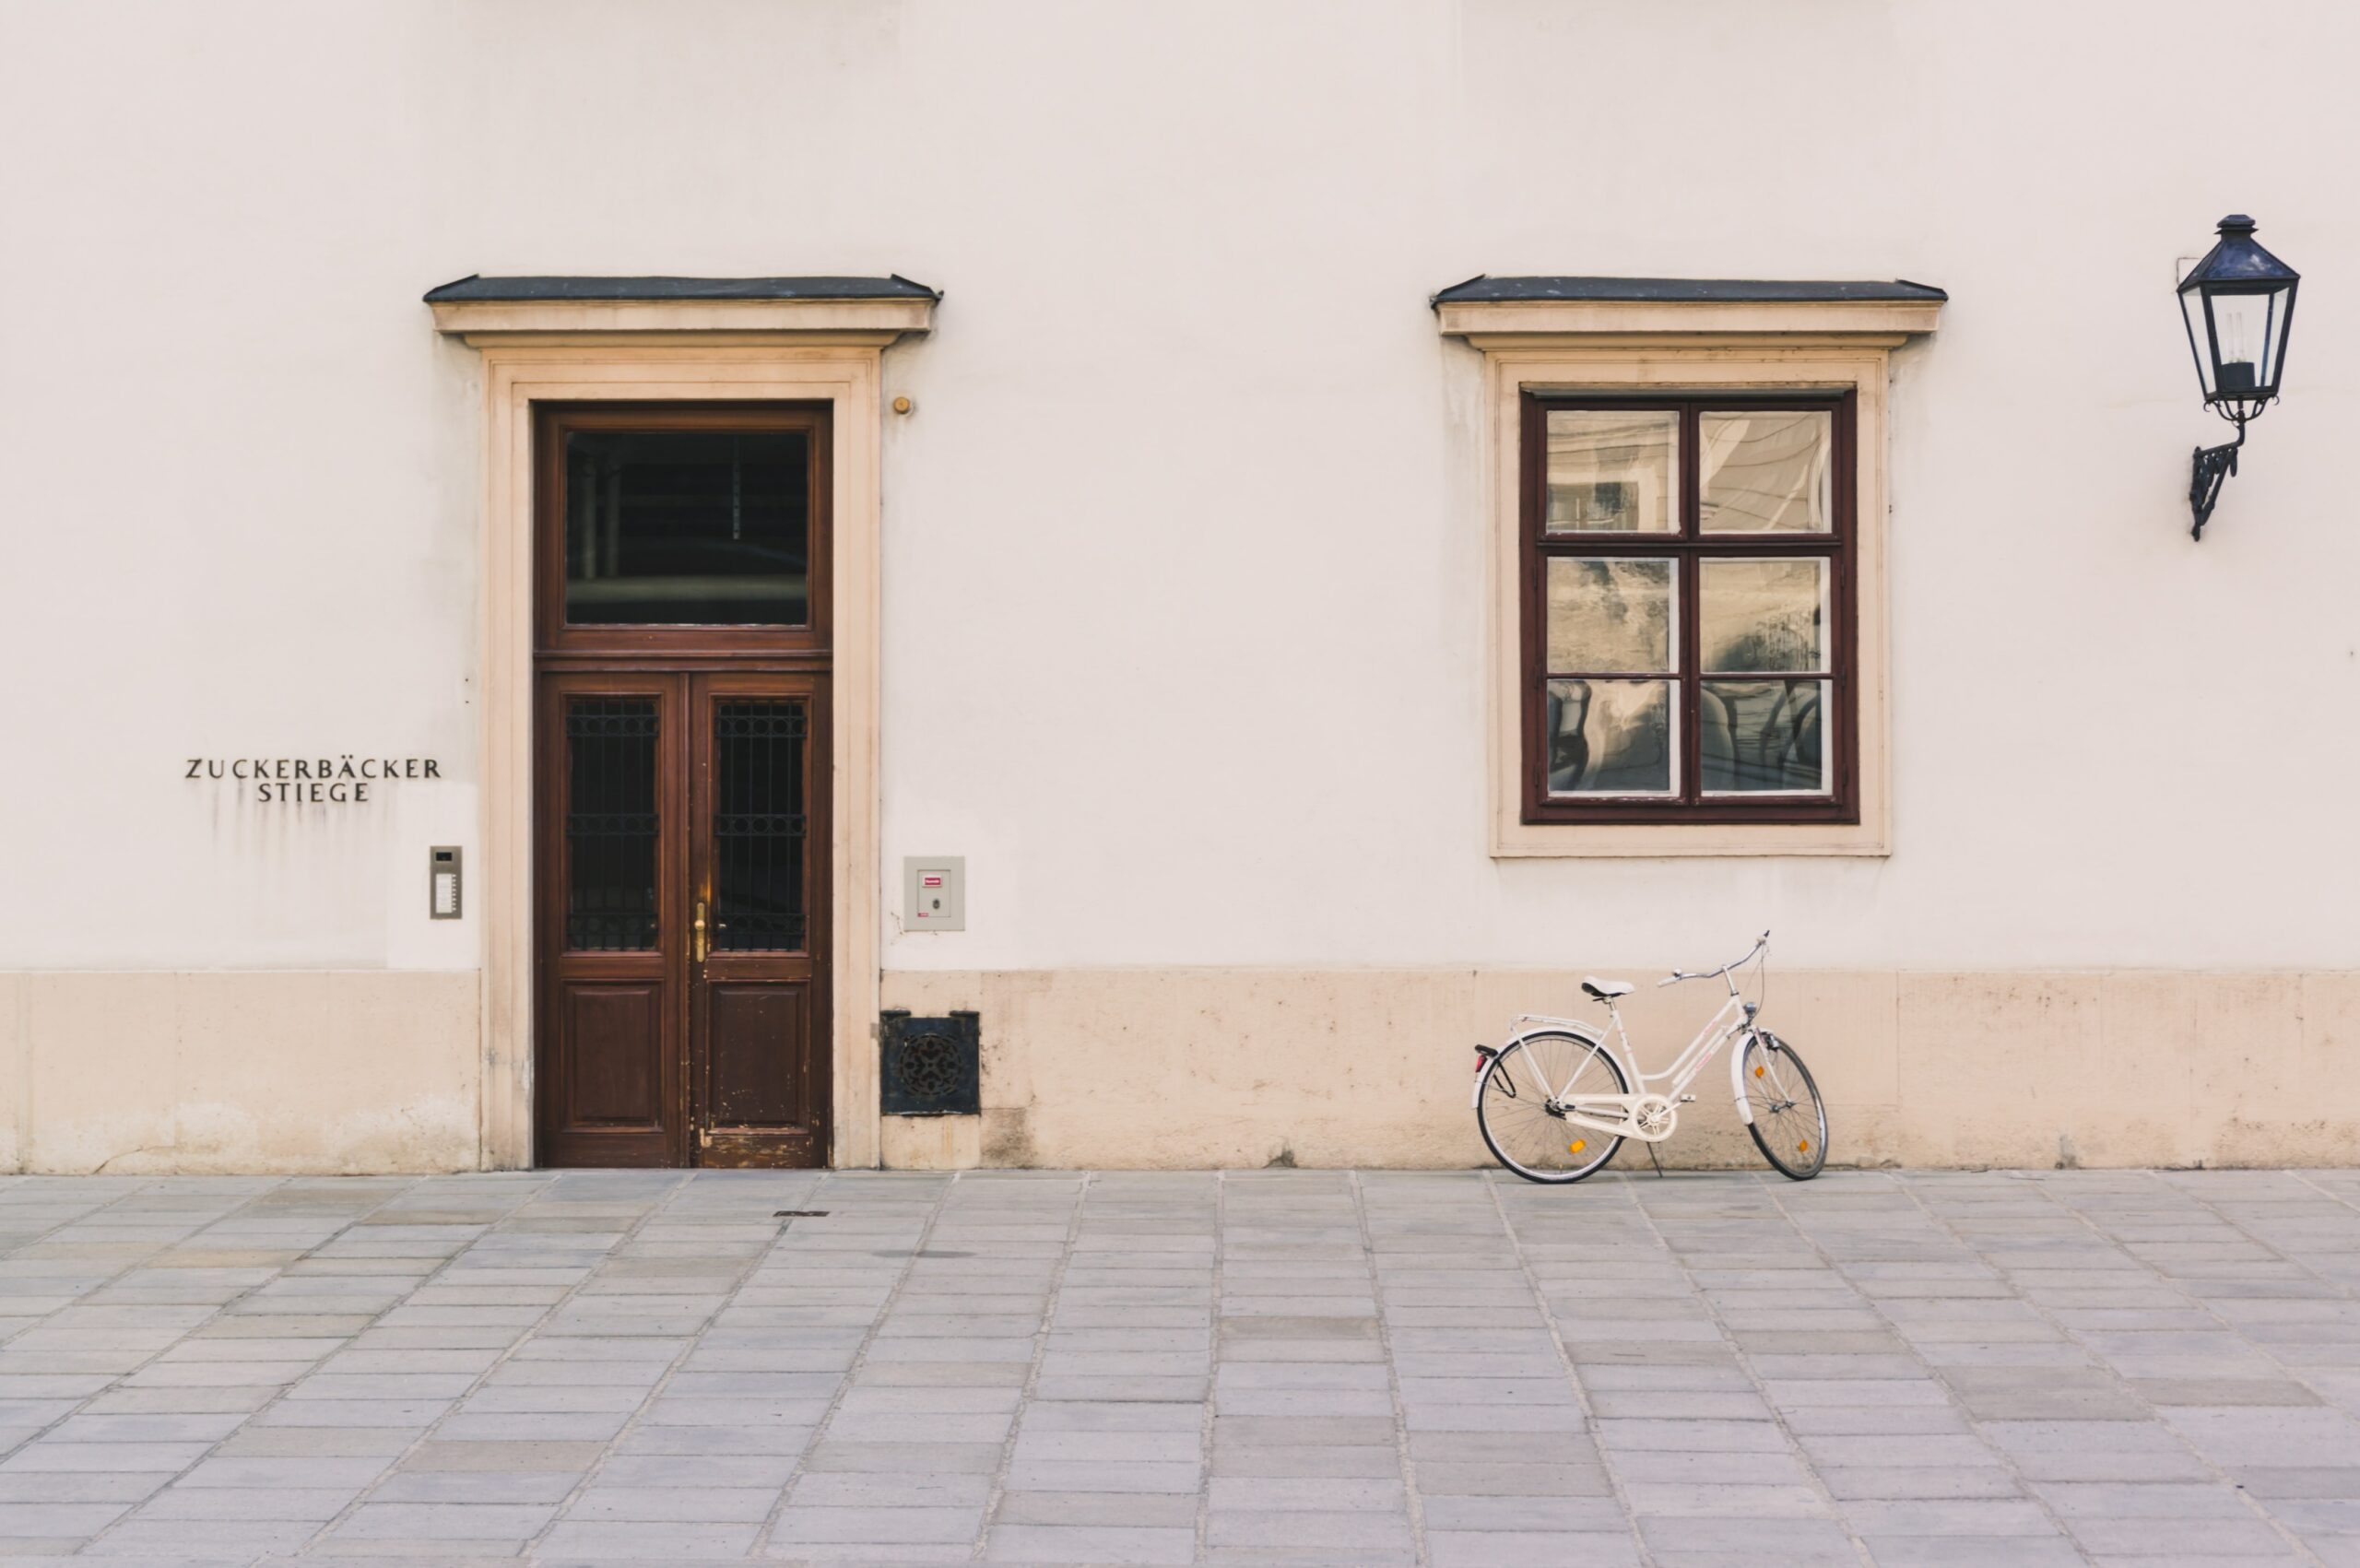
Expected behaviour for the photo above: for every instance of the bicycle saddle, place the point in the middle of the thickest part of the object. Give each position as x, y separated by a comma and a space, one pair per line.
1606, 990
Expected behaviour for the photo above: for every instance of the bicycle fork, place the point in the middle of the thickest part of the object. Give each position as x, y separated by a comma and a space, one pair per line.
1766, 1081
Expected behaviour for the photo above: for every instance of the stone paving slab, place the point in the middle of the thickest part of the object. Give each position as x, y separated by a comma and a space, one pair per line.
1266, 1367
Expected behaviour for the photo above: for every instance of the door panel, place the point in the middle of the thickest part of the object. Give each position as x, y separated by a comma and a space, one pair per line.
758, 1067
612, 857
617, 1082
756, 1037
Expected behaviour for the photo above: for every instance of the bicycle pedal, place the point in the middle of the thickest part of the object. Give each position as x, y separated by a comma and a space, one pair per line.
1687, 1100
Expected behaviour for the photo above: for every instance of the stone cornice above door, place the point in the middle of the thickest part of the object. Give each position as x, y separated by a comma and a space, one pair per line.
869, 312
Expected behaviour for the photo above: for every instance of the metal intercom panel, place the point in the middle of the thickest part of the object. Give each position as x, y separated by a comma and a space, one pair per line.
442, 878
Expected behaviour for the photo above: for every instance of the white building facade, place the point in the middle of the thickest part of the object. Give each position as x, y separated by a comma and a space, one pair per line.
1289, 661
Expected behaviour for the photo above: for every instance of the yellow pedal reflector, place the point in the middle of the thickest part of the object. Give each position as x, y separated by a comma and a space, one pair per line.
1577, 1145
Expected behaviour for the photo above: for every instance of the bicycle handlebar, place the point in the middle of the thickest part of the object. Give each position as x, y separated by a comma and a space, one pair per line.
1677, 975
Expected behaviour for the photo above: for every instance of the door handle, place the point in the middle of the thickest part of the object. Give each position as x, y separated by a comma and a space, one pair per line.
700, 944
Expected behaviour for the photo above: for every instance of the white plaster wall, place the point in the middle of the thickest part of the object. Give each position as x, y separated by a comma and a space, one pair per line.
1184, 640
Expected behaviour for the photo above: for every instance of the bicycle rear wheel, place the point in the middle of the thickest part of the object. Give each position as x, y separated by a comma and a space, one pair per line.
1513, 1111
1789, 1123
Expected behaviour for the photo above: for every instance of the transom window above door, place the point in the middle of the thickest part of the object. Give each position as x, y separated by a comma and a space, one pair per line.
1688, 608
682, 527
688, 527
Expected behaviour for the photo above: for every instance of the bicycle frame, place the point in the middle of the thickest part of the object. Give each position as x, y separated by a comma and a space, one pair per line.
1647, 1113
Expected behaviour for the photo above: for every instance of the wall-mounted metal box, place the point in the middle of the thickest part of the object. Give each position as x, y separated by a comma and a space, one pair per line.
934, 893
933, 1065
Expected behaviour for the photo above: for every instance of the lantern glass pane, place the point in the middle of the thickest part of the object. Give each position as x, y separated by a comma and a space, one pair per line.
2275, 335
2200, 337
2241, 339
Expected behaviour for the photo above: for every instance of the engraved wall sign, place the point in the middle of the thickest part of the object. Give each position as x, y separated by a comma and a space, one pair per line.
344, 779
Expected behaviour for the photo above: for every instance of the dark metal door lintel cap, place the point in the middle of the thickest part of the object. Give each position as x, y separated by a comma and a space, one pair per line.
475, 288
1680, 291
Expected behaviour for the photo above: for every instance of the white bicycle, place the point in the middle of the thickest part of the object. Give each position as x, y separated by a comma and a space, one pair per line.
1557, 1101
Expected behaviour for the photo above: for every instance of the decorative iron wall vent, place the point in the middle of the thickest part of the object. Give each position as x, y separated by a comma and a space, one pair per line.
933, 1065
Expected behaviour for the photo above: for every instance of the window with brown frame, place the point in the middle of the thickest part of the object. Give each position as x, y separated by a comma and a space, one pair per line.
1688, 608
682, 528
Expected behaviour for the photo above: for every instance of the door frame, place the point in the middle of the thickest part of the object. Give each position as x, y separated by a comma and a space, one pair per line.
841, 366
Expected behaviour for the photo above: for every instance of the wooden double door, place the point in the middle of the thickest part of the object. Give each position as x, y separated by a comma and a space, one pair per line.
681, 784
684, 919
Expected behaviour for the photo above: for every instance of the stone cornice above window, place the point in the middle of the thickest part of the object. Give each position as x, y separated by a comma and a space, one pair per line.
870, 311
1500, 312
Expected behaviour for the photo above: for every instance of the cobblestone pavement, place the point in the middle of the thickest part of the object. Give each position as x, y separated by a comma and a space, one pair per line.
1281, 1367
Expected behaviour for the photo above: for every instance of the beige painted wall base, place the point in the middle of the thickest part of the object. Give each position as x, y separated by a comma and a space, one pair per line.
1175, 1068
249, 1072
932, 1143
375, 1071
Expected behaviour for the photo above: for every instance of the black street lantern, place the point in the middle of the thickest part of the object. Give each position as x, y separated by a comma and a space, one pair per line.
2240, 302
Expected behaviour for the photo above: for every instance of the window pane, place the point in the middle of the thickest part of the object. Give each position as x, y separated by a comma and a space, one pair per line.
610, 824
1609, 737
759, 826
1763, 614
1764, 736
688, 527
1766, 472
1610, 617
1612, 471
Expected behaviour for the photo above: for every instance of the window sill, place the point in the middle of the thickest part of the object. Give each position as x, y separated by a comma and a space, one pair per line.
1523, 840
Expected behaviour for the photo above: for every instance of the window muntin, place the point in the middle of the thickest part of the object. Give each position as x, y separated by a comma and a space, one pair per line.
1688, 600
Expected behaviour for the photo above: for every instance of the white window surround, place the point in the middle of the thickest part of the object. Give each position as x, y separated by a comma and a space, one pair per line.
698, 349
1652, 339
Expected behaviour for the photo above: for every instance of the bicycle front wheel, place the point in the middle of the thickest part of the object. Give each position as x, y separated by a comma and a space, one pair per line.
1514, 1113
1789, 1123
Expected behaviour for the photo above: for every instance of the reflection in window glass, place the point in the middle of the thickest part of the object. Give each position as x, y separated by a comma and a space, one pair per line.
1763, 614
1612, 471
1763, 736
1766, 472
1610, 617
688, 527
1609, 737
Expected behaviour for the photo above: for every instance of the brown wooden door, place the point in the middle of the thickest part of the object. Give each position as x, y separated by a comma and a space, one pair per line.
682, 920
757, 1080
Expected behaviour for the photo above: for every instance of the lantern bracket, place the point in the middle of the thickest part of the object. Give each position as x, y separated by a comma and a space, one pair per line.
2213, 465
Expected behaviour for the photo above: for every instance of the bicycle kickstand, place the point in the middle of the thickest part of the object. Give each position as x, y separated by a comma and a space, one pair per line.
1655, 1163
